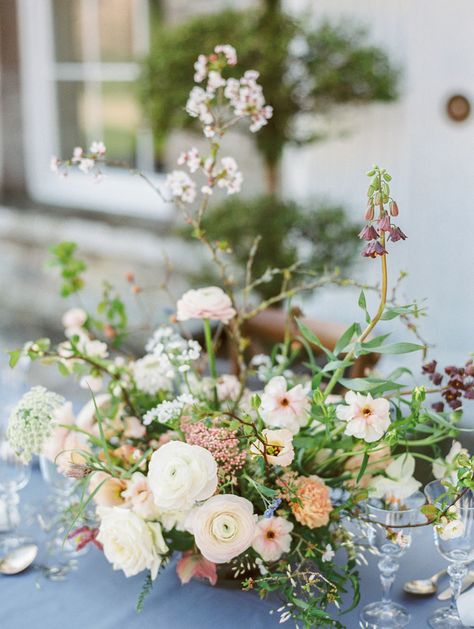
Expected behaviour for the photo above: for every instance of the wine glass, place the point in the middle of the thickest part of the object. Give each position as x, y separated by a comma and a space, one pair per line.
385, 613
14, 476
457, 548
54, 519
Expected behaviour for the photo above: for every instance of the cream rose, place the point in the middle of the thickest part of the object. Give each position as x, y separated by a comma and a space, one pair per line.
179, 475
205, 303
223, 527
130, 543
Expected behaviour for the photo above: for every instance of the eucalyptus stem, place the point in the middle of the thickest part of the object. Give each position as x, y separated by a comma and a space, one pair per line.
211, 357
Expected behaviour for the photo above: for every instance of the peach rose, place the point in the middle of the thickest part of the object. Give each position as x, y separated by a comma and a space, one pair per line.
315, 506
205, 303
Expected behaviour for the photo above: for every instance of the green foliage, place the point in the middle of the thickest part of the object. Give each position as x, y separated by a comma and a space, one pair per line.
71, 268
329, 65
145, 591
323, 232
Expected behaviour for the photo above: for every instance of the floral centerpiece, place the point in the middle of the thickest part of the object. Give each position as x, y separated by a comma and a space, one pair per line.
255, 471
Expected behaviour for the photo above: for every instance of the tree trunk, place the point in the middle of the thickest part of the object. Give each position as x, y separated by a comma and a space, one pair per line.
272, 175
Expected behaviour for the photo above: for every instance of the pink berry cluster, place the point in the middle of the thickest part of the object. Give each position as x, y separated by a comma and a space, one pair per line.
222, 443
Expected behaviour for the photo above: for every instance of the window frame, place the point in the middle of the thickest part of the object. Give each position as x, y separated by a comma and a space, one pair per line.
120, 192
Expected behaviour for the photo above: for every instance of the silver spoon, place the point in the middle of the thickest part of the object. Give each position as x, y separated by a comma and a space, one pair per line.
19, 559
423, 587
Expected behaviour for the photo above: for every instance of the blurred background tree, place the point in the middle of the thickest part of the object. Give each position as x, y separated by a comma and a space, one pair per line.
304, 70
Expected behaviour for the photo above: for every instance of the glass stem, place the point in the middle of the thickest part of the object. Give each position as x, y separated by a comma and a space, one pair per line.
457, 572
11, 511
388, 569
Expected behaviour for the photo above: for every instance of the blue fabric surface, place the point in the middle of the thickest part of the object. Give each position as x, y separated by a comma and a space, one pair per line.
97, 597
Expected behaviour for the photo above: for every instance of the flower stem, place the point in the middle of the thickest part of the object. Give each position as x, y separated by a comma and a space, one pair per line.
375, 319
211, 357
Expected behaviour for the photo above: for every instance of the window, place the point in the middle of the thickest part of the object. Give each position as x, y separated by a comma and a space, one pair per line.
79, 67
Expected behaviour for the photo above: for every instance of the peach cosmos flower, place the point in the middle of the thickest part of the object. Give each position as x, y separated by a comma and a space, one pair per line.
366, 418
282, 407
205, 303
314, 506
110, 493
272, 538
279, 446
223, 527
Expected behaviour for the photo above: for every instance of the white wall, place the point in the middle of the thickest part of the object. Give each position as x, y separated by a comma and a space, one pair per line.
430, 157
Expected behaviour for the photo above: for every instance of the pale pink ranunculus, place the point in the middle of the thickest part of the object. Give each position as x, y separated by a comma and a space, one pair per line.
205, 303
223, 527
110, 492
284, 408
279, 446
272, 538
134, 429
366, 418
139, 497
74, 318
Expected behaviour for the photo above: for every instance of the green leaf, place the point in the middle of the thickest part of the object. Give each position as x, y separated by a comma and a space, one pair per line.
375, 342
369, 385
346, 338
310, 336
332, 365
363, 466
391, 313
399, 348
363, 304
15, 356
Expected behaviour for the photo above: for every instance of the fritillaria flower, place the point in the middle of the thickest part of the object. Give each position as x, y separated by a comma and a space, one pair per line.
396, 234
384, 223
369, 233
374, 249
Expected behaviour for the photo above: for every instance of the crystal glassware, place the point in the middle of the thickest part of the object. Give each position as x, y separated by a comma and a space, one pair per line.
54, 519
14, 476
457, 546
385, 613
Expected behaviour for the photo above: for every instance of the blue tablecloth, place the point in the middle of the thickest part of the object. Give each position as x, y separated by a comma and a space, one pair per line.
97, 597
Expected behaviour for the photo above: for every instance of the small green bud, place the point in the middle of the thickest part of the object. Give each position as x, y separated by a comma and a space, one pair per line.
370, 191
387, 177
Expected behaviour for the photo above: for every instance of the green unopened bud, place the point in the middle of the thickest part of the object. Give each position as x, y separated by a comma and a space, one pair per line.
370, 191
419, 394
387, 177
375, 183
370, 173
378, 198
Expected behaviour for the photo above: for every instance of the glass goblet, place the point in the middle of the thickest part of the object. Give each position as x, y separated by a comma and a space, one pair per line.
385, 613
54, 519
14, 476
457, 547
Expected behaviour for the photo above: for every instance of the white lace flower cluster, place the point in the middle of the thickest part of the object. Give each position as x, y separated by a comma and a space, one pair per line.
152, 374
32, 420
245, 94
169, 345
87, 163
266, 369
225, 174
169, 409
247, 99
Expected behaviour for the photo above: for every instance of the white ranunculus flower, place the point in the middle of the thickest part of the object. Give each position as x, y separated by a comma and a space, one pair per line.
398, 483
447, 468
223, 527
180, 474
130, 543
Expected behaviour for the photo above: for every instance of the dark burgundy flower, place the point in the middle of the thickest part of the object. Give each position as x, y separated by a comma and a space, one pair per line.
451, 370
438, 407
436, 378
368, 233
455, 404
384, 223
429, 367
469, 394
396, 234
